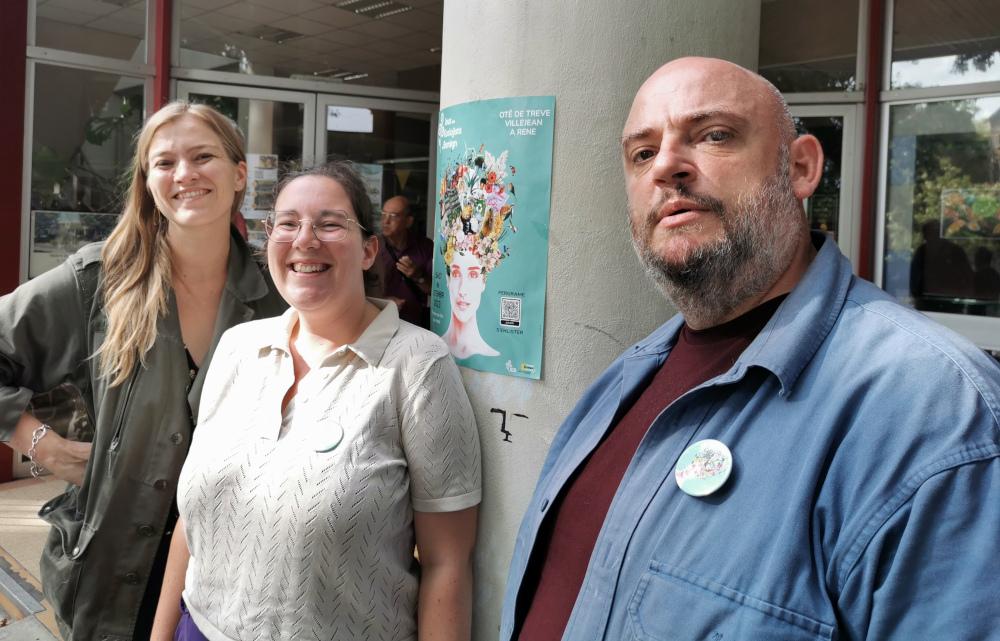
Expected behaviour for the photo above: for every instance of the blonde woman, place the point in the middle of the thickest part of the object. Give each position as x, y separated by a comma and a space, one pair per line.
132, 322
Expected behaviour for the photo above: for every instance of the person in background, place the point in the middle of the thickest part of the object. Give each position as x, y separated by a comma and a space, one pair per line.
330, 441
132, 323
405, 262
795, 455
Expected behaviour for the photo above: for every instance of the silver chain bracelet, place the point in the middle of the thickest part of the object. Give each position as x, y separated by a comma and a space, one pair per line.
36, 436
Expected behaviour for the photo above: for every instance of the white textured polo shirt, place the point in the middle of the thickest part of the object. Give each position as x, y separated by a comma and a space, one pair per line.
306, 532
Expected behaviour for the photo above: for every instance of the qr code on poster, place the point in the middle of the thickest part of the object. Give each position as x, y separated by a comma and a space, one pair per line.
510, 311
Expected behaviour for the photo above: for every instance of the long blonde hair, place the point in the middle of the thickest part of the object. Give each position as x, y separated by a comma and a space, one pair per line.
136, 259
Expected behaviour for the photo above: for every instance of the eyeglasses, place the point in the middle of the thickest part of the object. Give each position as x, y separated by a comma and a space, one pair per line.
391, 215
330, 226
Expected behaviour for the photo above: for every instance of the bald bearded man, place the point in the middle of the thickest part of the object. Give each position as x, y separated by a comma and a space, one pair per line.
795, 455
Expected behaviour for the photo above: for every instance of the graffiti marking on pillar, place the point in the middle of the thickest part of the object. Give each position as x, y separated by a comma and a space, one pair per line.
503, 422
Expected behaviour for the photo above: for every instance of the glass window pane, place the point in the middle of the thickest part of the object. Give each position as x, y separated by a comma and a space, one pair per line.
81, 145
809, 45
944, 43
386, 44
942, 225
274, 133
396, 150
110, 28
823, 207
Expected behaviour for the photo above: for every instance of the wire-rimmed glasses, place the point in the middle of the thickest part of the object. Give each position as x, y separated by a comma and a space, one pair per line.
329, 226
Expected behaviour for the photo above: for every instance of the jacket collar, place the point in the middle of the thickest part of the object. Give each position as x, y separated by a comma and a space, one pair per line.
244, 278
796, 330
370, 346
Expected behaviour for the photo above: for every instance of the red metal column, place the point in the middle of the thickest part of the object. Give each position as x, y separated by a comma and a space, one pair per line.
13, 51
161, 55
869, 176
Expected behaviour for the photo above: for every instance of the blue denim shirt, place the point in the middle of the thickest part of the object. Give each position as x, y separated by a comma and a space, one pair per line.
864, 501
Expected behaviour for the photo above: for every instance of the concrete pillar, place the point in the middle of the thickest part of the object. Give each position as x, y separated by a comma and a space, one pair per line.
260, 127
592, 55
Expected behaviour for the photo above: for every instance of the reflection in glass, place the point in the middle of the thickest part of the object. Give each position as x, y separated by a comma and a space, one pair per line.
370, 43
78, 154
942, 221
944, 43
823, 207
809, 45
396, 152
109, 28
275, 138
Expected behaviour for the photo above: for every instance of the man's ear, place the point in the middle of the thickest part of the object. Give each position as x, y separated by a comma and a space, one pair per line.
805, 159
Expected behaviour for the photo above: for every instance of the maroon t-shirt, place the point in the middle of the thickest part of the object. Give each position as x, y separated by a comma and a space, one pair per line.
567, 537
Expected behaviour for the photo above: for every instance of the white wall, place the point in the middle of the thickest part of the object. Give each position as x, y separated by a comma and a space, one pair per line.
592, 55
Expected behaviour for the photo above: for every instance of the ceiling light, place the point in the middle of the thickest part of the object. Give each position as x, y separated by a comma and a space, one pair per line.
374, 10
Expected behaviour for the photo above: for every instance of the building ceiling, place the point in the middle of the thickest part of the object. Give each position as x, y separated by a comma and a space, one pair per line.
381, 42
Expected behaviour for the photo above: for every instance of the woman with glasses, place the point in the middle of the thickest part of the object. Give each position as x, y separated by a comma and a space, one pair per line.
131, 323
332, 439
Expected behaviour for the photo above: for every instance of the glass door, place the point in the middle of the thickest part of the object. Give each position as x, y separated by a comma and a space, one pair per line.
834, 208
391, 142
279, 130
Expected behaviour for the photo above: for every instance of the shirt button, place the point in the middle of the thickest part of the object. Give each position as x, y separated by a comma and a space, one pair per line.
132, 578
160, 484
76, 550
146, 530
176, 438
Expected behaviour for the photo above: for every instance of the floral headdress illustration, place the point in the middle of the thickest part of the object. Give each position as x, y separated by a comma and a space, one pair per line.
476, 207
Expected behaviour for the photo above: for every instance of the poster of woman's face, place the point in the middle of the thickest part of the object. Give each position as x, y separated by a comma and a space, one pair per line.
487, 298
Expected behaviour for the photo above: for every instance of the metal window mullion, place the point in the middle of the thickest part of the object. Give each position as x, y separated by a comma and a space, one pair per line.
175, 41
824, 98
881, 206
861, 61
26, 172
890, 12
86, 61
943, 92
32, 22
290, 84
149, 40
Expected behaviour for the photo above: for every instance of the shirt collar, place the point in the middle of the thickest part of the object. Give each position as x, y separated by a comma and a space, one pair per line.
370, 346
789, 341
796, 330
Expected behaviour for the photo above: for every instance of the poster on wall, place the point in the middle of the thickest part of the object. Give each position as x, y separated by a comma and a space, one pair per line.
371, 174
491, 232
262, 175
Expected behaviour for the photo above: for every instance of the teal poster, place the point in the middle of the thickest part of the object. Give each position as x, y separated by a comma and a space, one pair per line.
491, 232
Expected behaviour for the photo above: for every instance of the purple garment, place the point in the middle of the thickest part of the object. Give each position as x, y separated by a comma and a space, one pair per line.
395, 285
186, 629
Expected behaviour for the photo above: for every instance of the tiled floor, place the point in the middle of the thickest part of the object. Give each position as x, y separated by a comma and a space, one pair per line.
22, 535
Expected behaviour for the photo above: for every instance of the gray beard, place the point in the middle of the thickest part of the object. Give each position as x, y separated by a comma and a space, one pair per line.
760, 238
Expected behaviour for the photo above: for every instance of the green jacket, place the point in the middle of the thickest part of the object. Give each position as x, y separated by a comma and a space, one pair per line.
106, 533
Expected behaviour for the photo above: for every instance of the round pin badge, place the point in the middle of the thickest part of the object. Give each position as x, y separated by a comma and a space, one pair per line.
330, 439
704, 467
